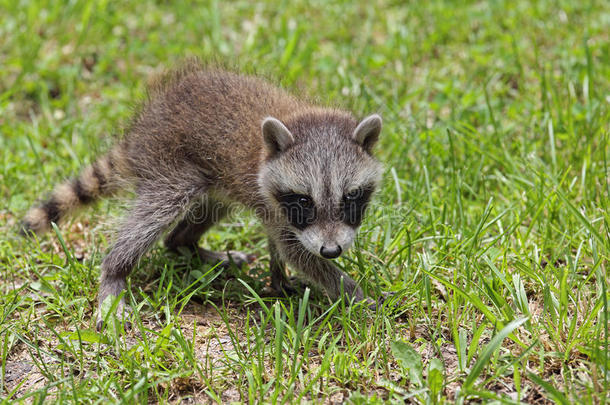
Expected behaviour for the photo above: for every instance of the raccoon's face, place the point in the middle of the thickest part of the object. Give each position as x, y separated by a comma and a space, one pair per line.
319, 176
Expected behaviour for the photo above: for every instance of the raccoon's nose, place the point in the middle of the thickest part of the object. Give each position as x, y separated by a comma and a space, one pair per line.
330, 253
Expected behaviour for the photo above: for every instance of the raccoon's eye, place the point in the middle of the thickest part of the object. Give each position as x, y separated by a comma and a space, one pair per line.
294, 199
353, 195
305, 201
354, 204
298, 208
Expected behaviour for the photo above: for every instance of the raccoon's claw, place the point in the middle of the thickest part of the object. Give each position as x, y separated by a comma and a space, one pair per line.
239, 258
371, 303
284, 289
287, 291
287, 288
225, 258
123, 313
375, 305
99, 325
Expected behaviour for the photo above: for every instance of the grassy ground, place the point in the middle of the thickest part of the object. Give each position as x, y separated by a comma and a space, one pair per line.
492, 226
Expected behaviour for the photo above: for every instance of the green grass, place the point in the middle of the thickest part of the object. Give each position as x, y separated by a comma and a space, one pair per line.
492, 225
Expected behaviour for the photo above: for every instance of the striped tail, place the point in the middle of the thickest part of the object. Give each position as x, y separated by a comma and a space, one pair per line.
94, 182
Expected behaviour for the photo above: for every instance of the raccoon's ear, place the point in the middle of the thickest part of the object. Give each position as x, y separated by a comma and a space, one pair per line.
277, 137
367, 132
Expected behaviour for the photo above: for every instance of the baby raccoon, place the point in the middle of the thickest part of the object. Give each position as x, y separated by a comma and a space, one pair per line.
205, 138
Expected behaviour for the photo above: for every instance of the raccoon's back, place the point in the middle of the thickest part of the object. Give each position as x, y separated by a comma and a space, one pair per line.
205, 117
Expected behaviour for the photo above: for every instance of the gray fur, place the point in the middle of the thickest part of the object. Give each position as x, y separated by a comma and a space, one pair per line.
205, 138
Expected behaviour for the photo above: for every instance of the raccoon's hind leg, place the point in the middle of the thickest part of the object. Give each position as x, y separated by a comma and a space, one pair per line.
204, 213
155, 208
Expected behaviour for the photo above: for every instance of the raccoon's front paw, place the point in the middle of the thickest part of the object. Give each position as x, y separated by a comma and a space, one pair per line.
225, 259
239, 258
123, 315
375, 305
288, 287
